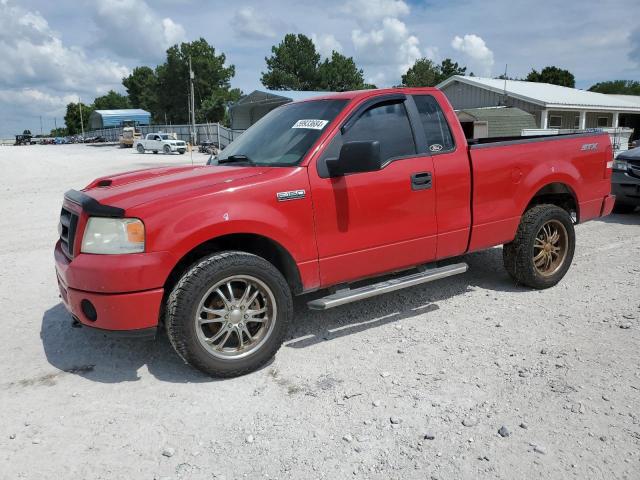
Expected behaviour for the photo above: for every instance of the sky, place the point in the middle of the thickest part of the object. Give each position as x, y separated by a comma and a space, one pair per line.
56, 52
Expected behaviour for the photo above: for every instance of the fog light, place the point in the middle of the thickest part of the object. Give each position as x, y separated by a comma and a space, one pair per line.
89, 310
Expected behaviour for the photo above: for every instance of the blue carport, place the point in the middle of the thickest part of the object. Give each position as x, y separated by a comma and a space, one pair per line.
116, 118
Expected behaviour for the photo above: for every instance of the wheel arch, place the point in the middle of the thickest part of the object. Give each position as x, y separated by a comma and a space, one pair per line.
556, 193
256, 244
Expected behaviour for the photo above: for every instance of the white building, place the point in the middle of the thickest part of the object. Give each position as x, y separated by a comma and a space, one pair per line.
552, 106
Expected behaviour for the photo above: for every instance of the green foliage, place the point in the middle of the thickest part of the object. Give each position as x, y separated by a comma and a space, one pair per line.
293, 65
449, 68
423, 73
621, 87
111, 101
72, 117
211, 78
214, 107
426, 73
340, 74
554, 75
59, 132
142, 88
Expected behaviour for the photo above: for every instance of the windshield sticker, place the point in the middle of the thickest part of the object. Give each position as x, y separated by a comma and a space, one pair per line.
311, 124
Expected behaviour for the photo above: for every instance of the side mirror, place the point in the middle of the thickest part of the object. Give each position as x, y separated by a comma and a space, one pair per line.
356, 157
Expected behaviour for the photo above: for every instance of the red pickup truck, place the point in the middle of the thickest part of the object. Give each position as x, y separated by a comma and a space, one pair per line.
317, 195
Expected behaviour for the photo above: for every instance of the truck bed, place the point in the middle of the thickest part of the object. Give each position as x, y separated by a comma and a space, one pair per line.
507, 170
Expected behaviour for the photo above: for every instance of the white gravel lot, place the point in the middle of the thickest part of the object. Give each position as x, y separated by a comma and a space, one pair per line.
353, 392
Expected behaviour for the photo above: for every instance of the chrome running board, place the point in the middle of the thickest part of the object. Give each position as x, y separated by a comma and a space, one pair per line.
348, 295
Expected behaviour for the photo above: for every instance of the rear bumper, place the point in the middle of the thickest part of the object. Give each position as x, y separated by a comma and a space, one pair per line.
131, 312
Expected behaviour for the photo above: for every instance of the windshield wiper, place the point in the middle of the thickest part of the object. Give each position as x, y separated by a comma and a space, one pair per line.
235, 159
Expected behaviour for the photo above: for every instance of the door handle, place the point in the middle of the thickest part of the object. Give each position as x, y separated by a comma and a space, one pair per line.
421, 181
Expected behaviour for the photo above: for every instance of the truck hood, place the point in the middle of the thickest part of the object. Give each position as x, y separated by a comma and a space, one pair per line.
127, 190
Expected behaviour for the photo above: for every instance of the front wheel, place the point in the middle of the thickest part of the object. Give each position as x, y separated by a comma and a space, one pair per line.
229, 313
542, 251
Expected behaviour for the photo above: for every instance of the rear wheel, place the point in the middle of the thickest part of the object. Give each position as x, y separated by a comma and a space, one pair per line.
228, 314
140, 148
542, 251
623, 208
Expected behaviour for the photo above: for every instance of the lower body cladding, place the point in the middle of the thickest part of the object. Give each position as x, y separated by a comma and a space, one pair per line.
128, 314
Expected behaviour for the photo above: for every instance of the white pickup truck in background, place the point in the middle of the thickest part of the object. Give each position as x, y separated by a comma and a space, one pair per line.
160, 142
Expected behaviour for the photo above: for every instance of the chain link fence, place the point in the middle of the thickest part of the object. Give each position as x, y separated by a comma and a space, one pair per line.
205, 132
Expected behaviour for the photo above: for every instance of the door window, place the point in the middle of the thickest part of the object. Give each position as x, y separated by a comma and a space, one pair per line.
436, 128
387, 123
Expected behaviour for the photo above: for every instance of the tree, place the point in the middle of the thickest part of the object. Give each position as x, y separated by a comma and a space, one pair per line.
214, 107
293, 65
554, 75
423, 73
211, 77
621, 87
449, 68
72, 117
142, 87
340, 74
111, 101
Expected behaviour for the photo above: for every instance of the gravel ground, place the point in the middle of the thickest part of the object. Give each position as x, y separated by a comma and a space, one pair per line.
470, 377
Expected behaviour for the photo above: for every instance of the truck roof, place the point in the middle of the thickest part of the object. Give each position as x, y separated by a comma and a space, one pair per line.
367, 93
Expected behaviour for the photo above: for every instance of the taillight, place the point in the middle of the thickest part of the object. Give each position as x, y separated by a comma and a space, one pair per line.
609, 164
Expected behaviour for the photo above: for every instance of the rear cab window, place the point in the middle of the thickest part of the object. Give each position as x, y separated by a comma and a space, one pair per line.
434, 123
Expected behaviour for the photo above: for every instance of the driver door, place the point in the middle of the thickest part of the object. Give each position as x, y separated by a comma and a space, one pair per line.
374, 222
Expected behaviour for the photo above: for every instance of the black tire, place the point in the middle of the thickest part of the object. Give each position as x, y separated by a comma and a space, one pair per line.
193, 287
518, 256
166, 149
155, 151
140, 148
181, 151
623, 208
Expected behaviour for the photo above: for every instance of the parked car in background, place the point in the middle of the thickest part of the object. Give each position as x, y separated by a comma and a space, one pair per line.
160, 142
625, 181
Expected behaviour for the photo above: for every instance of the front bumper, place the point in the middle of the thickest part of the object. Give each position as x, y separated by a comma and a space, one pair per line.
111, 294
626, 188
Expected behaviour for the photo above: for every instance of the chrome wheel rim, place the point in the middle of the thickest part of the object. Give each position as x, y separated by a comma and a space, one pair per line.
235, 317
550, 248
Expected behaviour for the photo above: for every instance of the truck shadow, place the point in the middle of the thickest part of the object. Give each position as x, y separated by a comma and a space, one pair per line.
97, 357
621, 219
313, 327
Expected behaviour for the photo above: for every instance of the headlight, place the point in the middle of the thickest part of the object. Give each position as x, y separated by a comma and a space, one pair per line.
111, 236
620, 164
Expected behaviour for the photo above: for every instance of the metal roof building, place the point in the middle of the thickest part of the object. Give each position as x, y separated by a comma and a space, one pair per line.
552, 106
116, 118
252, 107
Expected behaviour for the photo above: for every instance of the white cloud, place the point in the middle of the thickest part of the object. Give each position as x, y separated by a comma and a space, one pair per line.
326, 43
33, 54
391, 49
40, 74
249, 23
375, 10
475, 48
132, 29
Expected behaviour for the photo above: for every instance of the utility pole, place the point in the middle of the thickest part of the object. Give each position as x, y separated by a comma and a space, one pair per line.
81, 122
41, 125
55, 124
192, 105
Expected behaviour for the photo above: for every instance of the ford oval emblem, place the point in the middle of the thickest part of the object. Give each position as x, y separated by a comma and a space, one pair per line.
436, 147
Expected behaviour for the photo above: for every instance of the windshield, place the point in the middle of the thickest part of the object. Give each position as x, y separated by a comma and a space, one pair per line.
164, 137
284, 135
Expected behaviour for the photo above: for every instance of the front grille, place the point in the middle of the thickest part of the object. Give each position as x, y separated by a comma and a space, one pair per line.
68, 225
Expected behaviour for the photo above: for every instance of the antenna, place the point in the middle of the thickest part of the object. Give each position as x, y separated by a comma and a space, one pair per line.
504, 93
